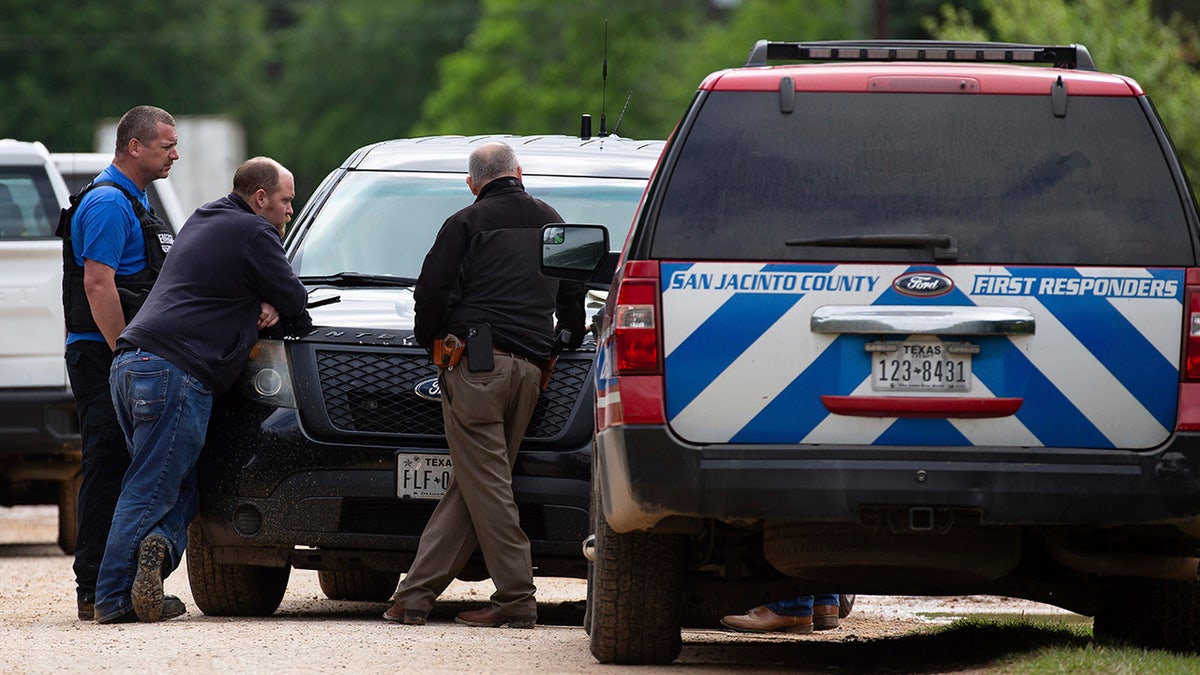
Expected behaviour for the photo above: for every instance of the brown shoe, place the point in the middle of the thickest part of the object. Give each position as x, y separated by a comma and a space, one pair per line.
825, 617
399, 614
491, 617
761, 620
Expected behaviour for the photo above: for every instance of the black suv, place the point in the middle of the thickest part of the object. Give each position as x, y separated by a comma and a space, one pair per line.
330, 455
910, 318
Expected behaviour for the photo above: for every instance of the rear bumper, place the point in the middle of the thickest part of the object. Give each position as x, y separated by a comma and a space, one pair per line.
37, 421
39, 445
647, 475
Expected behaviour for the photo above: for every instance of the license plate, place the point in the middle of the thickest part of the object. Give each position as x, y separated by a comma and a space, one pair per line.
420, 476
921, 365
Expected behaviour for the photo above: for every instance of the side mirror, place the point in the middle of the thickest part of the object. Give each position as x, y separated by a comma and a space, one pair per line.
577, 253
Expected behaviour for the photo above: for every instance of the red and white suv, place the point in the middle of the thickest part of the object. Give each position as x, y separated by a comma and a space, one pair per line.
903, 318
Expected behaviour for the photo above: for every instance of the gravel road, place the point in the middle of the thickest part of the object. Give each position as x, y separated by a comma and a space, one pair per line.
311, 634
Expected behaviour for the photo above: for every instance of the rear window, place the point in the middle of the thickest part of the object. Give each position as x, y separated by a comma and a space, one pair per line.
1009, 181
28, 206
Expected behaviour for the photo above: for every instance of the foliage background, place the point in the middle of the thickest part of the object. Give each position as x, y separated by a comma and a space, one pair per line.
312, 80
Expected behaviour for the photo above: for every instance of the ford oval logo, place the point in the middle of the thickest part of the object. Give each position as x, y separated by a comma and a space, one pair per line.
923, 284
429, 389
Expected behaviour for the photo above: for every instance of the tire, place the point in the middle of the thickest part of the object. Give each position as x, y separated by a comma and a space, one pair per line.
68, 512
594, 511
1152, 614
231, 590
635, 597
845, 604
358, 585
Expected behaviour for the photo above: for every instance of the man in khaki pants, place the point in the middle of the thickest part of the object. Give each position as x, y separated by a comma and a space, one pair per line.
481, 284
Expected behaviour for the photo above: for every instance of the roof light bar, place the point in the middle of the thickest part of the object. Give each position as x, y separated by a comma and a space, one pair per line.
1060, 56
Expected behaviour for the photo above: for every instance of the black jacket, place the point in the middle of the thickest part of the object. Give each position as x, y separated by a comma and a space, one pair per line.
202, 314
484, 267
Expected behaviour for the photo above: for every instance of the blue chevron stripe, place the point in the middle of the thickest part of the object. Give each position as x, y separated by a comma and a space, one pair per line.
791, 415
721, 339
1119, 346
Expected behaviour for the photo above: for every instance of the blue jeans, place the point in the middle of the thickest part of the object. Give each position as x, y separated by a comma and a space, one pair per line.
802, 605
164, 414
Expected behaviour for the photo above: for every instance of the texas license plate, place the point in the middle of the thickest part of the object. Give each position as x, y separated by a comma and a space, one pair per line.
421, 476
921, 365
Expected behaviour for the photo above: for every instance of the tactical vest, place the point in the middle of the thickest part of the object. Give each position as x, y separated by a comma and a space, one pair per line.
132, 288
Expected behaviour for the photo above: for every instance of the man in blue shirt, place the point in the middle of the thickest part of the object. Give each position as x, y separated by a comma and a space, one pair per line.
109, 263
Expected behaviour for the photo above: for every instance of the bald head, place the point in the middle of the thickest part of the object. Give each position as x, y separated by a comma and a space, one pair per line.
268, 188
489, 162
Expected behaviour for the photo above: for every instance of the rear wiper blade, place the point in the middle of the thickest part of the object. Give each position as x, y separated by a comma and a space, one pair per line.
344, 279
944, 246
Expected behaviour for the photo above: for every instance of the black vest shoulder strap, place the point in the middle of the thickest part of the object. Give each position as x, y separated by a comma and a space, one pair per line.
132, 288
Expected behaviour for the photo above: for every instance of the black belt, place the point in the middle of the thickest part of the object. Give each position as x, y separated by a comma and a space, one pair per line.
540, 363
123, 347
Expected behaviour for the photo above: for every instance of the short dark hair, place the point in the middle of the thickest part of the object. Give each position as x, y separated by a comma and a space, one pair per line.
141, 123
254, 174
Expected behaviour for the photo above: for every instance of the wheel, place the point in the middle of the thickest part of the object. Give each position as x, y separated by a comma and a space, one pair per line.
358, 584
231, 590
635, 597
587, 607
845, 604
68, 512
1152, 614
594, 511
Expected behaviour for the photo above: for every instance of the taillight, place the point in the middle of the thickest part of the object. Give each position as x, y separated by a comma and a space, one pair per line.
635, 321
1192, 337
1189, 388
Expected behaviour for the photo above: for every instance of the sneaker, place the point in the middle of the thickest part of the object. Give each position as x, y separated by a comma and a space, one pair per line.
147, 591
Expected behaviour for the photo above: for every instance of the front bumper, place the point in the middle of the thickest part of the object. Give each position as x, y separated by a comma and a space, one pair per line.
647, 475
278, 496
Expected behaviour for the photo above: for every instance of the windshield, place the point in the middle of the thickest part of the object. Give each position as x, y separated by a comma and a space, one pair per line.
384, 222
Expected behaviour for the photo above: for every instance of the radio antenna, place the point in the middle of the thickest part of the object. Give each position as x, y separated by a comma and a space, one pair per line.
604, 84
622, 115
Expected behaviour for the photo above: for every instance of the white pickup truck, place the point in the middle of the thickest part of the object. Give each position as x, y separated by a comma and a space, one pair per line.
39, 431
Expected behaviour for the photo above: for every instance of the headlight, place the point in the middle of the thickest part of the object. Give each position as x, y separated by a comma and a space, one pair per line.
268, 378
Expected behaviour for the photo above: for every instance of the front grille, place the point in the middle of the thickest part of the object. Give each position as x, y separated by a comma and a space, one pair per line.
373, 392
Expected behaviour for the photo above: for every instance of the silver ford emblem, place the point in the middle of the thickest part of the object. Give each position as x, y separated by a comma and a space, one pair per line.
923, 284
429, 389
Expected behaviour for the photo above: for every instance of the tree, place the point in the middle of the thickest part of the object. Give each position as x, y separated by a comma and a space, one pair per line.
352, 72
1123, 36
69, 65
533, 66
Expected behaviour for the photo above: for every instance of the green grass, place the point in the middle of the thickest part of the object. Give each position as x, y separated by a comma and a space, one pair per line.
981, 643
1062, 644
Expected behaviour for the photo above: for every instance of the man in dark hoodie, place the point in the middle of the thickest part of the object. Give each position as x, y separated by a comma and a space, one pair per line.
227, 277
